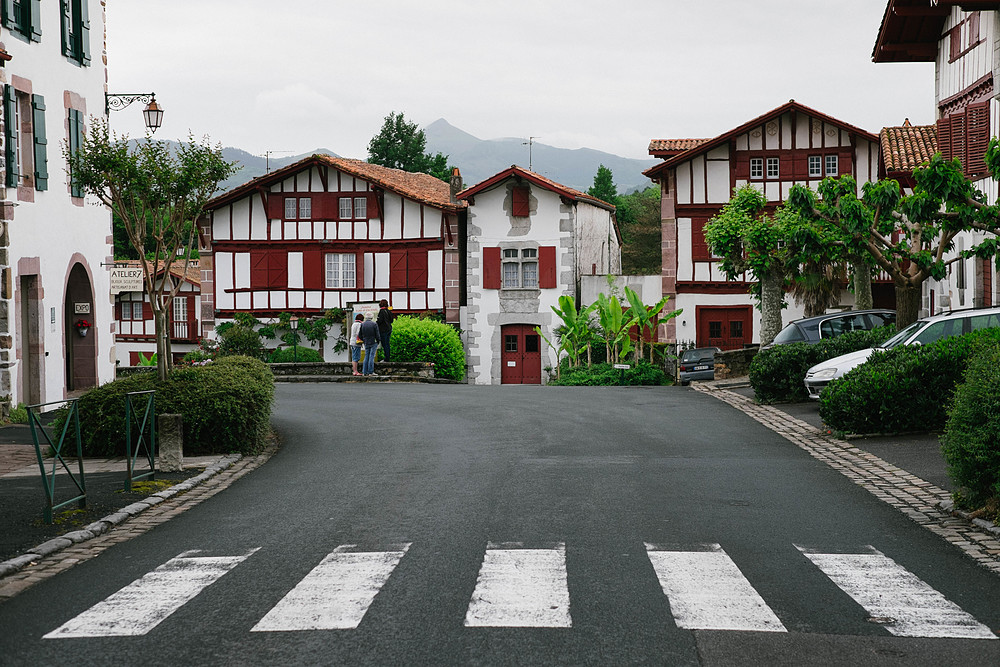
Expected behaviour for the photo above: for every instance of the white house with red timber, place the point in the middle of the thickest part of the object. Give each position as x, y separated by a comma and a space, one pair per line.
329, 232
789, 145
962, 39
530, 240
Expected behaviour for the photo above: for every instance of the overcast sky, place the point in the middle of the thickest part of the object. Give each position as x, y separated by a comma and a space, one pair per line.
296, 75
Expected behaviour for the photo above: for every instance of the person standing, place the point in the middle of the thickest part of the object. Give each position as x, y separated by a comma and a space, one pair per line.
356, 343
384, 327
369, 336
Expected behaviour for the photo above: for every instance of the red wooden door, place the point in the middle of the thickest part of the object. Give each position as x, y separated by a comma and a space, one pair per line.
724, 327
521, 357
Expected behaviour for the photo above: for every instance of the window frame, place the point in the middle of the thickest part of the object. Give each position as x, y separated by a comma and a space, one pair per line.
521, 263
834, 161
336, 269
818, 161
360, 212
757, 168
75, 27
291, 206
305, 208
773, 161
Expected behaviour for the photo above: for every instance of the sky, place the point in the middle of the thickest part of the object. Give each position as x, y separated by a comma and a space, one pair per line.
297, 75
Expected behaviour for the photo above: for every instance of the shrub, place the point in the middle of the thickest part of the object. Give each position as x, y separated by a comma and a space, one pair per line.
286, 355
907, 388
642, 373
207, 349
429, 341
241, 340
225, 406
971, 440
777, 373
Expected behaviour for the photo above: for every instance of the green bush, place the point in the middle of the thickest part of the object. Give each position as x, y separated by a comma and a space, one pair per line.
907, 388
643, 373
971, 440
240, 339
225, 406
429, 341
286, 355
777, 373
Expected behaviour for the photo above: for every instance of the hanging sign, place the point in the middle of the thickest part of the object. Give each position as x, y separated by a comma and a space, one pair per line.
126, 279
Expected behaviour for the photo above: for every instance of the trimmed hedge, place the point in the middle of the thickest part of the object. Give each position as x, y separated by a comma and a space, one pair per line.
907, 388
287, 355
642, 373
225, 405
971, 440
429, 341
777, 373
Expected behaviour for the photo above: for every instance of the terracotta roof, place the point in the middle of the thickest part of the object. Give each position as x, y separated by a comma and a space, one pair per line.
193, 274
906, 147
537, 179
424, 188
790, 105
670, 147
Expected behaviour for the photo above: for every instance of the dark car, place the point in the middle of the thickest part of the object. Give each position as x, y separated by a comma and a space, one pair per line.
698, 364
814, 329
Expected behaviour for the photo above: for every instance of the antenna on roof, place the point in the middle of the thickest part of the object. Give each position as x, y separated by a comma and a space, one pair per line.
528, 143
267, 159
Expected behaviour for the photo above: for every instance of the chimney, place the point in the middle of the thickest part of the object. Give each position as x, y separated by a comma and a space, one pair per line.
456, 184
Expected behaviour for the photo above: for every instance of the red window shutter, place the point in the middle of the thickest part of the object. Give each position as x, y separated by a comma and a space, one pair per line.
359, 269
978, 136
491, 268
397, 269
258, 269
547, 270
699, 247
416, 261
956, 42
973, 28
275, 206
944, 137
519, 201
147, 310
373, 209
957, 138
277, 269
313, 274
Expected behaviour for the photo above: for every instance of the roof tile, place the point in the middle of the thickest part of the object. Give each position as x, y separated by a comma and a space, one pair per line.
906, 147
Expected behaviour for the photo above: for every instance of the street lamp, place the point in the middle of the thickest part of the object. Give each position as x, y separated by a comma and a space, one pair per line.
293, 321
152, 114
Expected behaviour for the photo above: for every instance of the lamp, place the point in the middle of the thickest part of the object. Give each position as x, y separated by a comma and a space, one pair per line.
152, 115
293, 321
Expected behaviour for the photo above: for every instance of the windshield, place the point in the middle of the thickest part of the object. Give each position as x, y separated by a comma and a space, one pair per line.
789, 334
700, 354
902, 335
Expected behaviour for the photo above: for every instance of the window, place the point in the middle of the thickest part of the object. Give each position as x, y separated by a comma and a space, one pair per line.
736, 329
509, 343
75, 30
22, 18
715, 329
268, 269
360, 208
340, 271
756, 167
772, 167
965, 134
291, 208
180, 317
520, 201
832, 168
815, 166
75, 140
24, 137
305, 208
346, 208
520, 268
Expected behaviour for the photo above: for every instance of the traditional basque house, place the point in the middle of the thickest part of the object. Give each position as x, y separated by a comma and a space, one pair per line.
329, 232
789, 145
136, 329
962, 39
53, 241
530, 240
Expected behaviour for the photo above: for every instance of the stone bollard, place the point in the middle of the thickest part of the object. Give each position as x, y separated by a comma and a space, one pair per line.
170, 437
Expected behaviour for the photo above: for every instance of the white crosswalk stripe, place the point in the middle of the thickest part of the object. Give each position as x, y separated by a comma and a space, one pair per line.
707, 591
336, 594
147, 601
889, 591
521, 588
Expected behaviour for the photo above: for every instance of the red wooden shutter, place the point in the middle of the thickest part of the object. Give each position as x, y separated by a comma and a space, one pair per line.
973, 28
519, 201
956, 42
397, 269
547, 273
147, 311
373, 209
944, 137
958, 139
258, 269
978, 136
699, 247
416, 268
313, 274
491, 268
359, 268
275, 206
277, 269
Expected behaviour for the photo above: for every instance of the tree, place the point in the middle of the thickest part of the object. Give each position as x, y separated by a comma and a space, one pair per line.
604, 186
638, 215
158, 194
400, 145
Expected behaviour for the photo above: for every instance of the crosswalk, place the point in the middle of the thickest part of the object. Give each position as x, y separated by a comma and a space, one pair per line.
527, 587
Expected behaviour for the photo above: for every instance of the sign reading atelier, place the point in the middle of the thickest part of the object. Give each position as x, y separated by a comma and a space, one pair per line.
126, 279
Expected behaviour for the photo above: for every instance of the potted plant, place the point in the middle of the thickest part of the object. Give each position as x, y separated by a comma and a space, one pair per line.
82, 327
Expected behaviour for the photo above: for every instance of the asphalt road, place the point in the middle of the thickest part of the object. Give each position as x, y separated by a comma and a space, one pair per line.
461, 508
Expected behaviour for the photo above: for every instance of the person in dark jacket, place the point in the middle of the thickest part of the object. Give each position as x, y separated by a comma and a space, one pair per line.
369, 336
384, 327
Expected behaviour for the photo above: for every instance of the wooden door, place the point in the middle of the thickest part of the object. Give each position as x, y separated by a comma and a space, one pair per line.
724, 327
521, 356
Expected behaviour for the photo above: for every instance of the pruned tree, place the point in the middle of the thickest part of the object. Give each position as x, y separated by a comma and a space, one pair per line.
158, 194
400, 145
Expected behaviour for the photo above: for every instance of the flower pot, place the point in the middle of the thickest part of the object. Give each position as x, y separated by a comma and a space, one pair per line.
83, 331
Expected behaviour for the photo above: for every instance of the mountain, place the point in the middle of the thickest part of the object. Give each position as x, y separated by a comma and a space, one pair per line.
478, 159
251, 166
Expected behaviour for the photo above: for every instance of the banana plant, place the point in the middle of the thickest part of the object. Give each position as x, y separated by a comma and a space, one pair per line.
615, 323
576, 337
647, 317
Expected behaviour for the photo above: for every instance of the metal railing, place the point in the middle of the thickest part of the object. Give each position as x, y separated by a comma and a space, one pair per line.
145, 442
49, 479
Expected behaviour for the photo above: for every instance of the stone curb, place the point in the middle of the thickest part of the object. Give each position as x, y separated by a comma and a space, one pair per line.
108, 522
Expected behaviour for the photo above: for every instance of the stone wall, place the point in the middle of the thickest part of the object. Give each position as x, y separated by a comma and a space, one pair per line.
734, 363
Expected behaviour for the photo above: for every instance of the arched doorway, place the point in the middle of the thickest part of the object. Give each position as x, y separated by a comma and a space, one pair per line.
81, 346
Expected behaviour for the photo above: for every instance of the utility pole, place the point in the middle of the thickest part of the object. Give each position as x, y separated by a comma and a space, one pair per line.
267, 160
528, 143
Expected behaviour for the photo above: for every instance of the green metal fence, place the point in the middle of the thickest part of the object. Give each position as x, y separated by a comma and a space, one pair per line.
71, 427
144, 428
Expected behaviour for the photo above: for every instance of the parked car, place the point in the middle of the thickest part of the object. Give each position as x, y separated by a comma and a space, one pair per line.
814, 329
921, 332
698, 364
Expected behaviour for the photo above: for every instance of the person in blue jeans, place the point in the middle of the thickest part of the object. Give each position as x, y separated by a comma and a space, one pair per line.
370, 337
384, 322
356, 343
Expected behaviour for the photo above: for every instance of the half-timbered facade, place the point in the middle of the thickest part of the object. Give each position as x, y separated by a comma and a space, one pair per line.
529, 241
962, 40
136, 328
328, 232
789, 145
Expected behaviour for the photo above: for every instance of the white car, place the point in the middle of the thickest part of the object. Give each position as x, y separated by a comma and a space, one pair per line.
921, 332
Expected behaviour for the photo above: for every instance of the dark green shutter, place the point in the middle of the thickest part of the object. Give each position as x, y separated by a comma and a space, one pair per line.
10, 135
7, 8
83, 34
75, 140
35, 19
41, 144
66, 21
